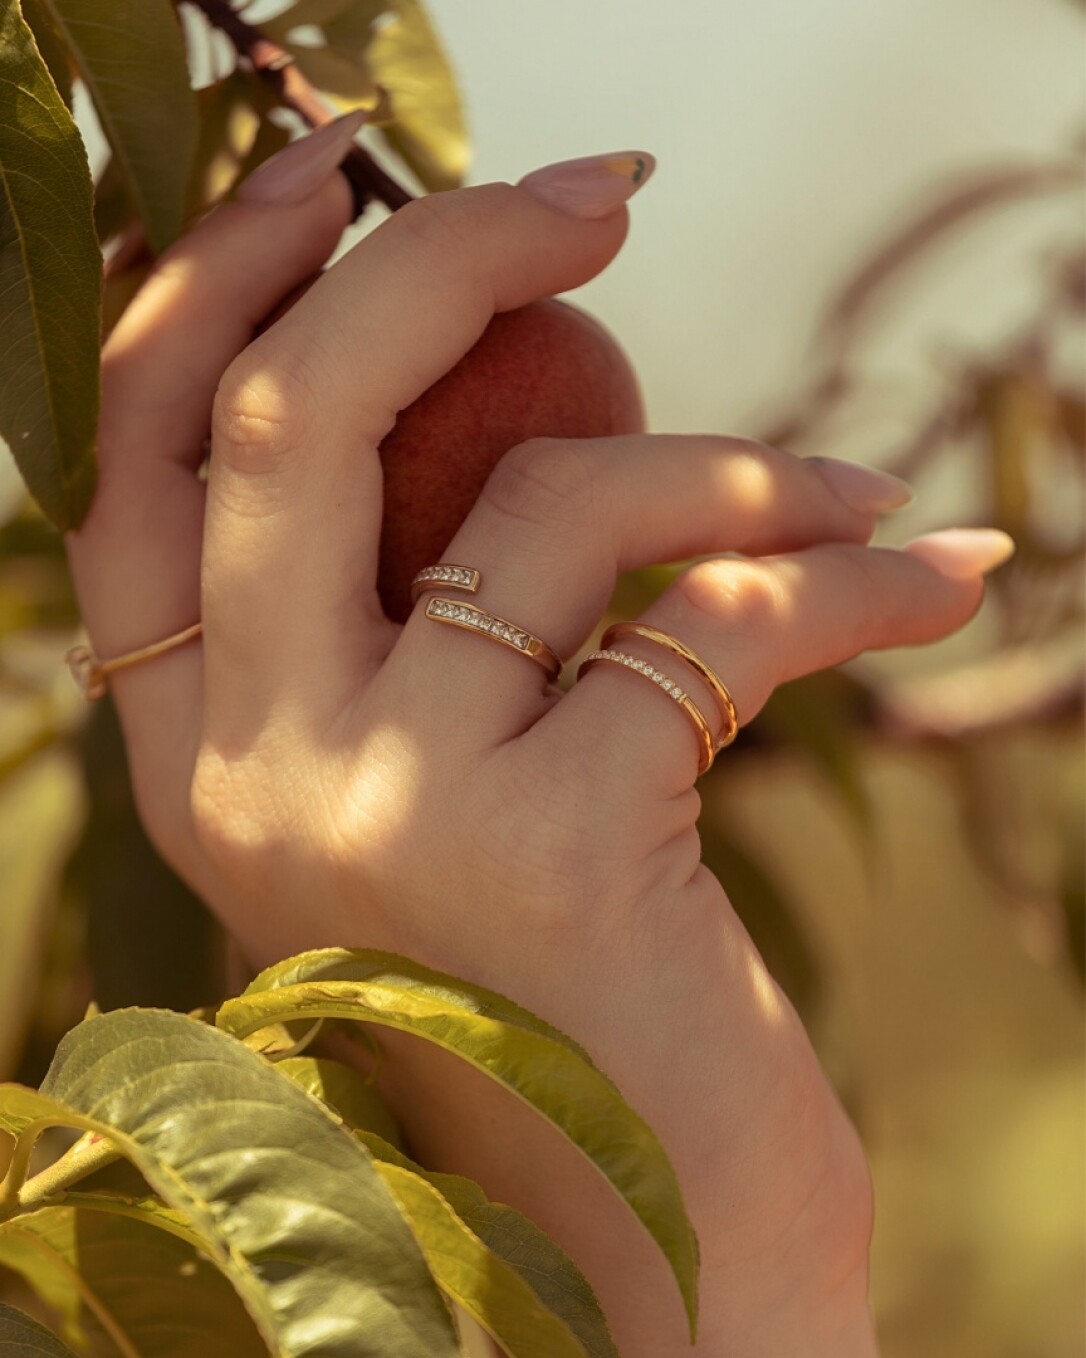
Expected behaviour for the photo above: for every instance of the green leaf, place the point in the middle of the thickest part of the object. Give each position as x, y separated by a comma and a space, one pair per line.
347, 1092
125, 1285
289, 1205
347, 83
229, 122
428, 128
131, 56
50, 281
527, 1056
518, 1244
21, 1337
51, 45
489, 1290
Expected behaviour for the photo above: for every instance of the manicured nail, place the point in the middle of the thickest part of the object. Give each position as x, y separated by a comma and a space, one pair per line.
963, 553
865, 489
291, 175
593, 186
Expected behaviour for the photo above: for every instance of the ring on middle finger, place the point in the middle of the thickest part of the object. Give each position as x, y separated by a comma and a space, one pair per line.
475, 619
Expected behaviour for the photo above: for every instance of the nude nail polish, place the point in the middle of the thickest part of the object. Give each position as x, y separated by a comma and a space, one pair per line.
865, 489
291, 175
592, 186
963, 553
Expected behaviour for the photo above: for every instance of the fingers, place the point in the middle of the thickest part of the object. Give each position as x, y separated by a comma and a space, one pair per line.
559, 520
295, 502
757, 624
136, 559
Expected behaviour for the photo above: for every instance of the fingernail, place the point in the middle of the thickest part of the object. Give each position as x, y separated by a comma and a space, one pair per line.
593, 186
963, 553
865, 489
291, 175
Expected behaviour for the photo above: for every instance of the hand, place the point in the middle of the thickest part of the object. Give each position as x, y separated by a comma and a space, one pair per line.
323, 777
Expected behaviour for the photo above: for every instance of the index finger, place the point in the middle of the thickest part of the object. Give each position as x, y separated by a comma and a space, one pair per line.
295, 495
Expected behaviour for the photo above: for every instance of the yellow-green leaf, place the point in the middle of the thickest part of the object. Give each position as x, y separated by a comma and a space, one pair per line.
487, 1288
349, 1095
288, 1204
50, 281
529, 1057
124, 1284
428, 127
346, 82
131, 56
21, 1337
229, 123
519, 1244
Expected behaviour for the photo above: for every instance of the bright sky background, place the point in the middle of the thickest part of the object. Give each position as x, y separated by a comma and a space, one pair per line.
791, 135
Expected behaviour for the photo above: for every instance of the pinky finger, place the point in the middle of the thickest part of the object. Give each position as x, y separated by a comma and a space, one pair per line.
760, 623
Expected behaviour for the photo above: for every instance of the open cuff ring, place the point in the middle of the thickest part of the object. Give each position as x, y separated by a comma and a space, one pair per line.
446, 575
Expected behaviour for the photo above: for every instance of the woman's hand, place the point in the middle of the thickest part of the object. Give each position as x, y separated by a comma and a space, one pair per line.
323, 777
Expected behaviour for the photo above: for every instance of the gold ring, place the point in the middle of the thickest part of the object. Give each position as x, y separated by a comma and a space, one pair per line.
670, 687
446, 575
497, 629
729, 716
92, 674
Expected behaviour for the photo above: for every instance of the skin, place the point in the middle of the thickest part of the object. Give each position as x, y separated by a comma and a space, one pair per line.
322, 776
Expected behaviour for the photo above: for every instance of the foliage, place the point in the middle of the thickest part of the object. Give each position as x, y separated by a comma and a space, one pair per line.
354, 1252
186, 116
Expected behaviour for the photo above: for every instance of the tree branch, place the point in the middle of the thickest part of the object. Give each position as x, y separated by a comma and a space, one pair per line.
275, 66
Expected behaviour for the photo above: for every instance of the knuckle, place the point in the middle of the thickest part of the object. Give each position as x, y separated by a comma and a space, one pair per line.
751, 598
452, 221
546, 484
437, 225
260, 413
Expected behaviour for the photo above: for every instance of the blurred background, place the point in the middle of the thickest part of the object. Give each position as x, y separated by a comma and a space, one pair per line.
864, 238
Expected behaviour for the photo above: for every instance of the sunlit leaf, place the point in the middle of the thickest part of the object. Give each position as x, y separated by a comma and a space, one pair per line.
488, 1289
131, 56
520, 1245
50, 271
51, 45
347, 1092
21, 1337
114, 1273
289, 1205
229, 123
429, 125
347, 83
528, 1057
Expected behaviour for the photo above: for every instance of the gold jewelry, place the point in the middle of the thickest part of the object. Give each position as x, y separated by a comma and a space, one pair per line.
670, 687
92, 674
446, 576
497, 629
725, 702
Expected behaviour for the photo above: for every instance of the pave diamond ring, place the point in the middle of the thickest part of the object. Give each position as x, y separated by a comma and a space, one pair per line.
475, 619
446, 576
668, 686
724, 701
